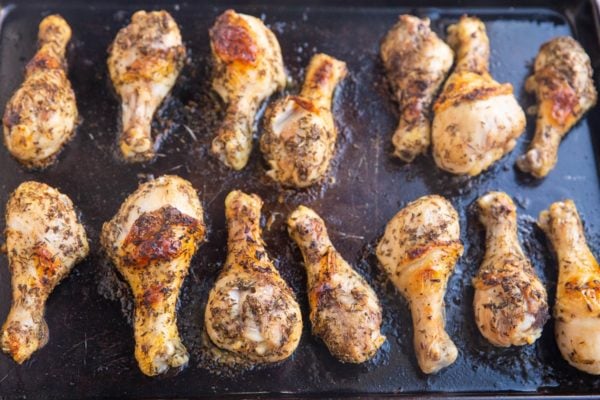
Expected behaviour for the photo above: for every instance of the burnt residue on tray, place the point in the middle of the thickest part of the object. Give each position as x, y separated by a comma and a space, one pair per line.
90, 352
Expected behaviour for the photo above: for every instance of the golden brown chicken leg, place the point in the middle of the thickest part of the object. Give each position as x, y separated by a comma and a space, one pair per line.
578, 289
511, 304
344, 309
44, 240
144, 62
251, 311
151, 241
477, 120
300, 134
416, 62
418, 251
564, 87
41, 116
248, 68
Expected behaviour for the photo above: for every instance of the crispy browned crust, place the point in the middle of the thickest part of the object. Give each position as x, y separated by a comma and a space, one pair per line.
231, 39
152, 237
468, 86
46, 264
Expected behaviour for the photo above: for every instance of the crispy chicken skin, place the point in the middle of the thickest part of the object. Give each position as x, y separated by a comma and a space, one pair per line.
418, 251
251, 311
476, 119
248, 68
300, 134
563, 84
511, 304
151, 241
42, 114
144, 62
416, 62
578, 289
344, 310
44, 240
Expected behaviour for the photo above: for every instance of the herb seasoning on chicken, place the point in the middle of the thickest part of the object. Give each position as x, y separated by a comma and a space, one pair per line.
42, 114
416, 62
144, 62
251, 311
577, 306
300, 133
565, 90
44, 240
476, 119
248, 68
344, 309
511, 304
151, 241
418, 251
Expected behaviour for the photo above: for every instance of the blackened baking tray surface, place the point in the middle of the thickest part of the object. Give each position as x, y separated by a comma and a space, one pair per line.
90, 353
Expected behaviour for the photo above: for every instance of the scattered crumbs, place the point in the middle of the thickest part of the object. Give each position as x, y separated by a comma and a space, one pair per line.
272, 218
190, 132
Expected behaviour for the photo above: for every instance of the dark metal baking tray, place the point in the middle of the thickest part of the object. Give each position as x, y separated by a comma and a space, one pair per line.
90, 353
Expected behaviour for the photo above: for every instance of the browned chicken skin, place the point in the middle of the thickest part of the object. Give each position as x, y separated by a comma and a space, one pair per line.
42, 114
577, 306
251, 311
416, 62
44, 240
151, 241
144, 62
344, 309
511, 304
248, 68
300, 133
476, 119
565, 90
418, 251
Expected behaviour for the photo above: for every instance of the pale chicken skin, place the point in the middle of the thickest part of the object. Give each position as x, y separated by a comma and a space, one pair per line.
511, 303
418, 251
476, 119
144, 62
563, 84
578, 289
44, 241
417, 62
299, 138
151, 241
248, 68
251, 311
41, 116
344, 310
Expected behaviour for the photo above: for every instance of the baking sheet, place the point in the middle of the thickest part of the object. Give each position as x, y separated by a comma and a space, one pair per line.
90, 352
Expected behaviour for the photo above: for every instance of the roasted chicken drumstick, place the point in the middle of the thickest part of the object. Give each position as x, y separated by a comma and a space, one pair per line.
300, 134
564, 87
248, 68
151, 241
251, 311
344, 309
578, 289
476, 119
42, 114
44, 240
416, 62
511, 304
144, 62
418, 251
